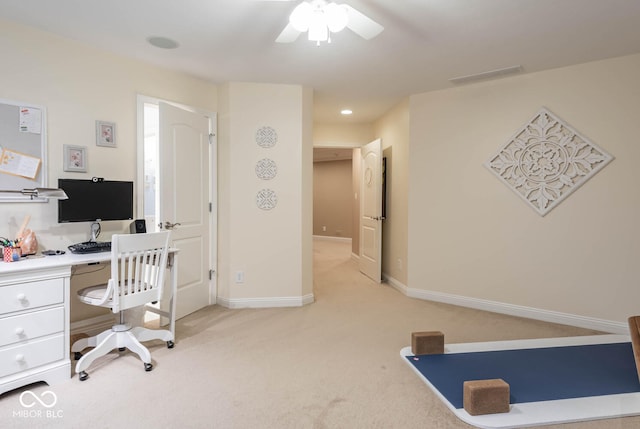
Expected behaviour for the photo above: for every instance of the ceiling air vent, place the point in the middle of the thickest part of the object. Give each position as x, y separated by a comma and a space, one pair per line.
486, 75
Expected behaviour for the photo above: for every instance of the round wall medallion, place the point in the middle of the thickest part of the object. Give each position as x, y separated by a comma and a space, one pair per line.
266, 137
266, 199
266, 169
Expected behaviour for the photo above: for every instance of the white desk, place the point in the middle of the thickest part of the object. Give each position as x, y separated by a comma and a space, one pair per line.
34, 316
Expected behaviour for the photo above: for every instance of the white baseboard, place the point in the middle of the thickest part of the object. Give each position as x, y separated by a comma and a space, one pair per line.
329, 238
93, 325
511, 309
394, 283
293, 301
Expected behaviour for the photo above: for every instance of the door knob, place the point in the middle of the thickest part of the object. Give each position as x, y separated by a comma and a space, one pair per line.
169, 225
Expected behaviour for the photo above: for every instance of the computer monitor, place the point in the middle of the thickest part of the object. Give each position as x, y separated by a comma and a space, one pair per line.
95, 200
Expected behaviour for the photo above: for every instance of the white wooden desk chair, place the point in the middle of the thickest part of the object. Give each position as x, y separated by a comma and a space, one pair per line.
138, 266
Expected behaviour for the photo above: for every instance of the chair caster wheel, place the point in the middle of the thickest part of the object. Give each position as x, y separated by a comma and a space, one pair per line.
170, 344
77, 355
83, 375
121, 349
148, 367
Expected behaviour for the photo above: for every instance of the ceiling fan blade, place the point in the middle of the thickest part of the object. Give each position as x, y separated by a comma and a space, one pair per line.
288, 35
361, 24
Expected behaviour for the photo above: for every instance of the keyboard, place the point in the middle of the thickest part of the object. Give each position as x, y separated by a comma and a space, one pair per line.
90, 247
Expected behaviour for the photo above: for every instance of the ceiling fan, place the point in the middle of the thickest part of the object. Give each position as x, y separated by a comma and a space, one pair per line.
320, 18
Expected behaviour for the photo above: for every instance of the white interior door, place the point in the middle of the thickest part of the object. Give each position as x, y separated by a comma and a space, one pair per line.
371, 211
184, 207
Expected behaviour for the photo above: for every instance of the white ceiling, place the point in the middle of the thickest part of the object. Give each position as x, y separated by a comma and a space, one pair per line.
425, 42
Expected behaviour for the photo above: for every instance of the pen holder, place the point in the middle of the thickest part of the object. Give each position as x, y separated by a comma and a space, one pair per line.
11, 254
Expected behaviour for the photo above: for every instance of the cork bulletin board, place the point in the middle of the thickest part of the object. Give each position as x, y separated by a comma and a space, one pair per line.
23, 149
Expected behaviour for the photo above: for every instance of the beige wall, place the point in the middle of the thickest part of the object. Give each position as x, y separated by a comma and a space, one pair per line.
332, 199
393, 129
471, 236
78, 85
271, 247
342, 135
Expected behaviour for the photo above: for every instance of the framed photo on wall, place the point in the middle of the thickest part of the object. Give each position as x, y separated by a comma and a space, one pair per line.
75, 158
105, 134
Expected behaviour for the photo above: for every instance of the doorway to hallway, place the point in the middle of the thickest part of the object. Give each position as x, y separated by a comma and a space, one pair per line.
177, 191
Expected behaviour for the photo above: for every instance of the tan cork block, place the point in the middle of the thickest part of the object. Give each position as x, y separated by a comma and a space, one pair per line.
427, 343
486, 396
634, 330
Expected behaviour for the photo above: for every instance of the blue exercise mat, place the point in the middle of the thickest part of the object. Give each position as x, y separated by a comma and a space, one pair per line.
542, 374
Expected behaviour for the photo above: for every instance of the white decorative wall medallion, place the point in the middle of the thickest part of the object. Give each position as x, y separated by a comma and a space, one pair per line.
266, 199
266, 169
266, 137
546, 161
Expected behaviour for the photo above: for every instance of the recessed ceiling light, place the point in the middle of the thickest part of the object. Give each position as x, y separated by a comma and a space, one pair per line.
346, 112
162, 42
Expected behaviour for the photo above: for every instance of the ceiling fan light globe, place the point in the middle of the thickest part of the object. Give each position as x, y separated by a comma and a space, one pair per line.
336, 16
318, 31
301, 16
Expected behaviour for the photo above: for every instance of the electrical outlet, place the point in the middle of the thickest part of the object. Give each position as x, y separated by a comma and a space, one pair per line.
324, 228
239, 277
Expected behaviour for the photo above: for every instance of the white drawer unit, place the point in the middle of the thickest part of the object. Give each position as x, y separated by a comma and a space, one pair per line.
27, 327
34, 325
31, 355
28, 295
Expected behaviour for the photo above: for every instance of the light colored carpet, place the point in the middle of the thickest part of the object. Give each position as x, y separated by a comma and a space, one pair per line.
332, 364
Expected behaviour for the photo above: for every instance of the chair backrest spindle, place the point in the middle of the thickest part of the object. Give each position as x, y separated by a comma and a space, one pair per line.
138, 266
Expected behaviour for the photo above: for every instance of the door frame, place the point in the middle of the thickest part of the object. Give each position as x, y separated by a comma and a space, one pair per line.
353, 147
141, 100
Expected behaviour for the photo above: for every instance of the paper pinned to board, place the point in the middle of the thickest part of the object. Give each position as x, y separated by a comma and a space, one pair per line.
30, 120
19, 164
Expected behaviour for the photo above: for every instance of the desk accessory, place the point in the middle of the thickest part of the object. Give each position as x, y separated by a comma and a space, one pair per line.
27, 239
53, 252
138, 226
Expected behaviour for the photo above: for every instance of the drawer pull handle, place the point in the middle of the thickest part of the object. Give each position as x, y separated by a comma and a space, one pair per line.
20, 358
22, 297
19, 331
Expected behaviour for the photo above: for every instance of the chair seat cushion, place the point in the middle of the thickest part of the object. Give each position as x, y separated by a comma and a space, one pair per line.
93, 295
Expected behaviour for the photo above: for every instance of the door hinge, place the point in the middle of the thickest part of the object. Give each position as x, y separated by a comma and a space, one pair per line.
210, 207
211, 136
211, 272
